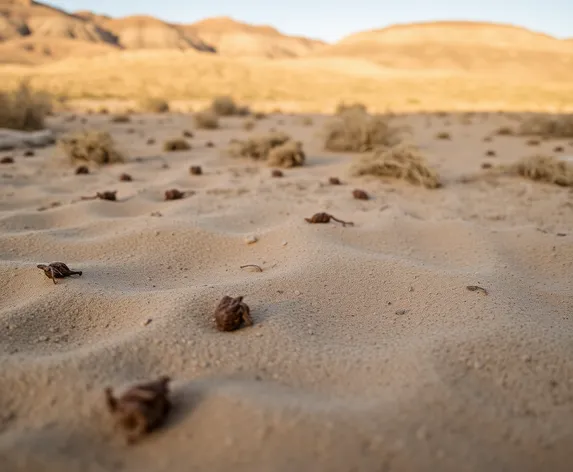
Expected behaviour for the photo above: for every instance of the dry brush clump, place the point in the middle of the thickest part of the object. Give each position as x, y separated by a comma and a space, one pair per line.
154, 105
278, 149
541, 168
226, 106
24, 109
91, 146
206, 119
553, 126
176, 144
356, 131
402, 161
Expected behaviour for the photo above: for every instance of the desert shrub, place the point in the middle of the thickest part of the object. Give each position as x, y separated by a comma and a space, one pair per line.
206, 119
24, 109
556, 126
443, 135
288, 154
356, 131
91, 146
504, 131
402, 161
343, 107
154, 105
542, 168
176, 144
120, 119
258, 147
226, 106
248, 125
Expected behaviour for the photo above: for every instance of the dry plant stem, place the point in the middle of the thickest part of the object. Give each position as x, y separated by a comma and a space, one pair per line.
57, 270
477, 288
325, 218
141, 409
252, 265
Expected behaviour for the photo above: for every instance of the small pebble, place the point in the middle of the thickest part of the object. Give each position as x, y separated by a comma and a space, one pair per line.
251, 239
297, 292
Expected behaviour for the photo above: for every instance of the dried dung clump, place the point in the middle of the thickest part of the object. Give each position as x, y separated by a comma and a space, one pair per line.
226, 106
541, 168
23, 109
554, 126
403, 161
176, 144
206, 119
154, 105
258, 147
289, 154
356, 131
91, 146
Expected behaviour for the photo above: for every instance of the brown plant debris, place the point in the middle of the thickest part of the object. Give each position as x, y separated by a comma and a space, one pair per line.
7, 160
541, 168
24, 109
325, 218
107, 195
288, 154
360, 194
533, 142
209, 144
226, 106
29, 153
558, 149
82, 170
206, 119
477, 288
443, 135
125, 177
554, 126
91, 146
490, 153
277, 173
187, 134
259, 269
154, 105
231, 313
174, 194
504, 131
57, 270
120, 119
403, 161
195, 170
141, 409
176, 144
258, 147
334, 181
486, 165
355, 131
150, 141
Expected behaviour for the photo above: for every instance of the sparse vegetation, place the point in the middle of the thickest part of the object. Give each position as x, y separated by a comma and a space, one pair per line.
24, 109
154, 105
206, 119
359, 107
542, 168
504, 131
533, 142
258, 147
226, 106
356, 131
91, 146
120, 118
288, 154
249, 125
443, 135
176, 144
554, 126
402, 161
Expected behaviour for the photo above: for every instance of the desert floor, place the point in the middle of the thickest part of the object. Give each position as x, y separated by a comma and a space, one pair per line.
368, 352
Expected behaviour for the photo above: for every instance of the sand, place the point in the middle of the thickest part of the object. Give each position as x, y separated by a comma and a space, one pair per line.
368, 352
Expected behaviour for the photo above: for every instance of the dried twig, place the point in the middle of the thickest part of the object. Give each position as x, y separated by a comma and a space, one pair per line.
325, 218
259, 269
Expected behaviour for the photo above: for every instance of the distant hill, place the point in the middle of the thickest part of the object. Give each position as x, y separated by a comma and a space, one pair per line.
472, 47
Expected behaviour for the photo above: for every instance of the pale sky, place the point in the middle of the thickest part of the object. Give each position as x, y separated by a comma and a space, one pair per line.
331, 20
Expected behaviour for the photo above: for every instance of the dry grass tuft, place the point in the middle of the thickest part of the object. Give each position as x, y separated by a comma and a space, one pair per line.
206, 119
443, 135
249, 125
24, 109
120, 119
258, 147
556, 126
154, 105
402, 161
504, 131
288, 154
356, 131
91, 146
176, 144
343, 107
541, 168
226, 106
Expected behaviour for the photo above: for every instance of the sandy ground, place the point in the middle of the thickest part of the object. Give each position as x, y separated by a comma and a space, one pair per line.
368, 352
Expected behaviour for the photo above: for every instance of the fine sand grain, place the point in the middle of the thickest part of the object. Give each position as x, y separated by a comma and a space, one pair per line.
368, 351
